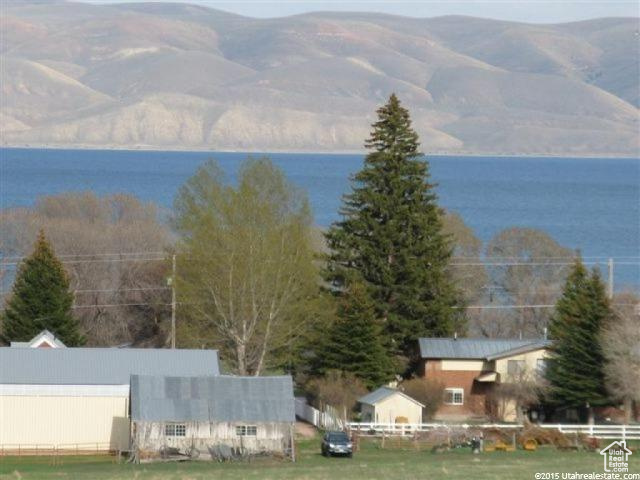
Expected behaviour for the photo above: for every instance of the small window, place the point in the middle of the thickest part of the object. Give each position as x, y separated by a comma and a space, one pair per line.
454, 396
541, 366
515, 367
175, 430
246, 430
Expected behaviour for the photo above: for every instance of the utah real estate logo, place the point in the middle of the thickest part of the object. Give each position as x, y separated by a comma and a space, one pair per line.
616, 457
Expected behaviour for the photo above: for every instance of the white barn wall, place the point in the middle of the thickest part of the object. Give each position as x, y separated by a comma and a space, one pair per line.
64, 421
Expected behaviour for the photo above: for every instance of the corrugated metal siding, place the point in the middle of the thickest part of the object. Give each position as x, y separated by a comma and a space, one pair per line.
224, 398
100, 366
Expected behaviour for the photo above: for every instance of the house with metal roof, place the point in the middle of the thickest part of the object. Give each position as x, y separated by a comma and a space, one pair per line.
212, 416
390, 405
45, 339
471, 369
76, 398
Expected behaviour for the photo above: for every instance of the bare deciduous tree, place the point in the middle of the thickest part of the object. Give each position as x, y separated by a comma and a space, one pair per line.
528, 272
466, 267
621, 348
518, 391
470, 277
337, 389
428, 392
94, 237
245, 263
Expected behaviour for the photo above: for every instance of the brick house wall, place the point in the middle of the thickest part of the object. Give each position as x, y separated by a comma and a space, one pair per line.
475, 393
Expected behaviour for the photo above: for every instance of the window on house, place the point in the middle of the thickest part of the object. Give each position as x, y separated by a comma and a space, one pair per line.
175, 430
246, 430
515, 367
541, 366
454, 396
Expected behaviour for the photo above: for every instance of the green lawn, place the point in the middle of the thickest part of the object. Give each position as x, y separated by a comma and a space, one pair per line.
370, 463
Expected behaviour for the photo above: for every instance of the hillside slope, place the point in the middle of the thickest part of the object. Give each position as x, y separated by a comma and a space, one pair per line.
184, 76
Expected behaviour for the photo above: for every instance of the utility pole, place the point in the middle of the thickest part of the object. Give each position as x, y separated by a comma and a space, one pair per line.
610, 282
173, 301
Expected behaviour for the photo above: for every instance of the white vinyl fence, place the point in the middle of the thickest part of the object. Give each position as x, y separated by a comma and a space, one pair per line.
613, 432
411, 428
326, 420
616, 432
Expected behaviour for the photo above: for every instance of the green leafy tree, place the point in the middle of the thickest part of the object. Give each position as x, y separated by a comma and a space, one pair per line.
41, 299
391, 236
576, 367
353, 343
245, 265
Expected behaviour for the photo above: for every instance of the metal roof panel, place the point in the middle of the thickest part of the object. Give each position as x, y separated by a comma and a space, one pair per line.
100, 366
212, 398
472, 348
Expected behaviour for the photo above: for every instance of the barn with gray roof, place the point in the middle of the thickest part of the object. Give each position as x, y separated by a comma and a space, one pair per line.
53, 397
212, 417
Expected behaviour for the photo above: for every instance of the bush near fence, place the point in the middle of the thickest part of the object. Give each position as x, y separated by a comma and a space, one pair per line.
440, 437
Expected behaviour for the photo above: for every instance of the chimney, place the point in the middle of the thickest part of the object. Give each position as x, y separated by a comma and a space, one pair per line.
545, 333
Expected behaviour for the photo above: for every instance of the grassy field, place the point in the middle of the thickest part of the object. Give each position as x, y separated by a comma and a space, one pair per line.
370, 463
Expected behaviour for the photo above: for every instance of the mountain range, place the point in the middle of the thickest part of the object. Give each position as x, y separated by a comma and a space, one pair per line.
180, 76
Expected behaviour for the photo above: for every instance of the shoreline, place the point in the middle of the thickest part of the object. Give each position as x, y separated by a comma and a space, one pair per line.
150, 148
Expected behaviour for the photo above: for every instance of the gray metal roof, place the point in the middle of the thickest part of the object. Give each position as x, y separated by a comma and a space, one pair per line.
383, 393
476, 348
221, 398
518, 350
100, 366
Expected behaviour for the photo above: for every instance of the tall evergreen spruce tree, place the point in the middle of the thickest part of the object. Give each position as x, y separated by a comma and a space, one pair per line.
575, 371
354, 342
391, 237
41, 299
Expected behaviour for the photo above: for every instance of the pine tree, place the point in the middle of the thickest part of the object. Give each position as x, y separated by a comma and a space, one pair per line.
391, 236
576, 367
41, 299
353, 343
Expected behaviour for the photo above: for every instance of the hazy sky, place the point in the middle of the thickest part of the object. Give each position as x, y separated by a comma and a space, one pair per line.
536, 11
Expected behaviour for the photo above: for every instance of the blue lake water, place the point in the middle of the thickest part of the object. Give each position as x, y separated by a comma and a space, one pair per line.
588, 203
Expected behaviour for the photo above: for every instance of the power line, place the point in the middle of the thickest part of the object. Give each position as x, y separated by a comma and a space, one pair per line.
544, 257
491, 307
112, 260
490, 257
108, 305
71, 255
101, 290
533, 264
466, 264
471, 307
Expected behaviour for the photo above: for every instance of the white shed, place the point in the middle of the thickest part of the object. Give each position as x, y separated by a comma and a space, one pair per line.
389, 405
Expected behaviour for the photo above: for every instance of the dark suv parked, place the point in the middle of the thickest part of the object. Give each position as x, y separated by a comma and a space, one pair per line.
336, 443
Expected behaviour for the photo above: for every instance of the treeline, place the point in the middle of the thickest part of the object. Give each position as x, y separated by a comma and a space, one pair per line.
256, 280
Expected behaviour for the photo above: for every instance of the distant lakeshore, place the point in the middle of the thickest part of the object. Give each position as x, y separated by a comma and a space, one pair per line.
363, 151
